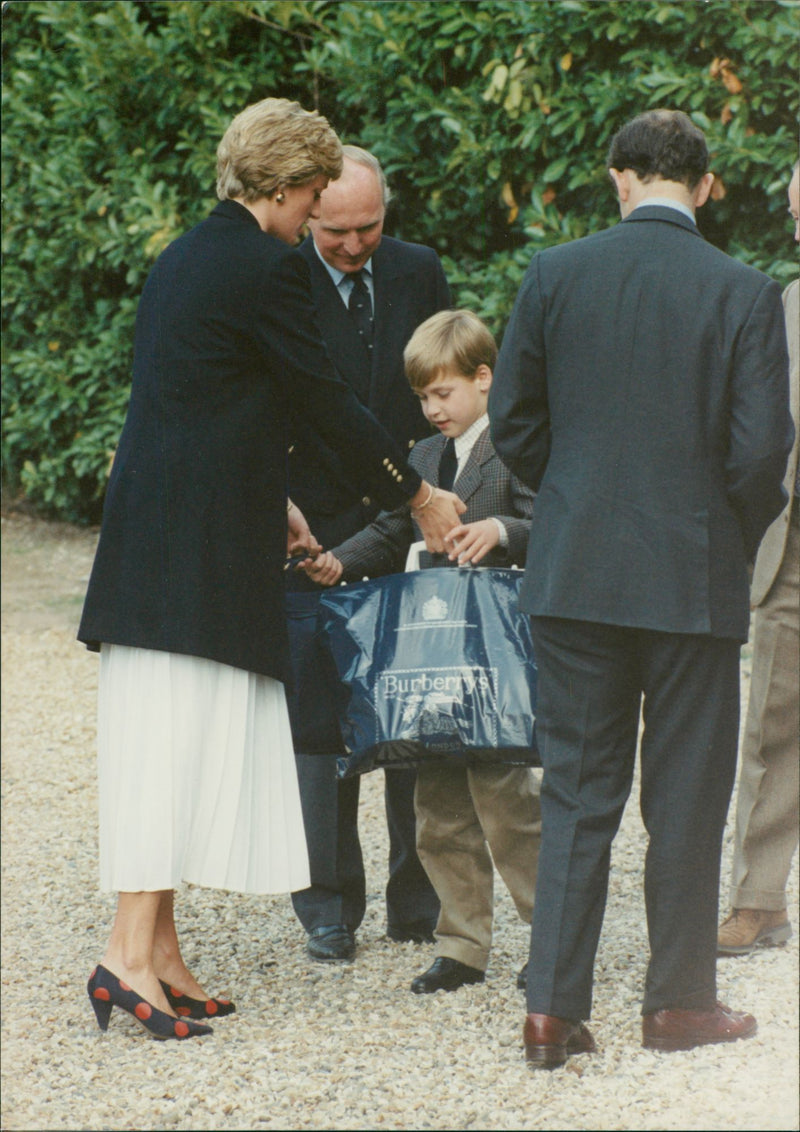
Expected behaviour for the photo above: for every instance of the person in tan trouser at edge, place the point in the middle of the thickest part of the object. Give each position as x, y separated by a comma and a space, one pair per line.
767, 806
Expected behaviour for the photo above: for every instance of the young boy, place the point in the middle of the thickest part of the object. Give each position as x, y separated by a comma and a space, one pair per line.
467, 817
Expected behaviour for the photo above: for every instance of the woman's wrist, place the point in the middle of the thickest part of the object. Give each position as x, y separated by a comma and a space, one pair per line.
425, 501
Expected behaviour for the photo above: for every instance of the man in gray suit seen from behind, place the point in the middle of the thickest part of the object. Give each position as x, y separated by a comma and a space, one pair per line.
642, 391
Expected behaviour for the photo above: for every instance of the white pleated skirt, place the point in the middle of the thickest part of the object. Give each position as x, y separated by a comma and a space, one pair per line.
197, 776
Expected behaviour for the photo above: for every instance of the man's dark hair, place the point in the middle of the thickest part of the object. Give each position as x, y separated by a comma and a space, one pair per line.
660, 143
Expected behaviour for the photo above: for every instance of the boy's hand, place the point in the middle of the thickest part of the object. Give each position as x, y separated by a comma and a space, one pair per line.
468, 543
325, 569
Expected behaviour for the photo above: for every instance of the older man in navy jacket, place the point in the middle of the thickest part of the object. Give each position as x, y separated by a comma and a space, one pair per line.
370, 293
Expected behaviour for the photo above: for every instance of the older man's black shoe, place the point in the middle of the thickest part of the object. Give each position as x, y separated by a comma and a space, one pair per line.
332, 943
418, 931
550, 1041
446, 974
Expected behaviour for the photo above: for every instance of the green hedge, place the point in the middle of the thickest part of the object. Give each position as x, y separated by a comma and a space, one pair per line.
491, 117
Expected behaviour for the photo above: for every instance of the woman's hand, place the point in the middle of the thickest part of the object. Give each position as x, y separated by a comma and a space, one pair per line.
470, 542
325, 568
300, 539
436, 513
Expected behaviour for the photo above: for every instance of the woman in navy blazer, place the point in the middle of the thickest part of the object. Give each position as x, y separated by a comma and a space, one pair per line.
186, 597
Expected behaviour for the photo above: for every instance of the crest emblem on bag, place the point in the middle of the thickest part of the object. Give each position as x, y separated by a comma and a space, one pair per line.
434, 609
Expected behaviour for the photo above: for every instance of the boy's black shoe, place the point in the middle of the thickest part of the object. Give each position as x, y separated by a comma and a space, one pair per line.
446, 974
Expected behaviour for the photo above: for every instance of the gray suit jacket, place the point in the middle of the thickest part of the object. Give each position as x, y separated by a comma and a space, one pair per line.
642, 390
485, 485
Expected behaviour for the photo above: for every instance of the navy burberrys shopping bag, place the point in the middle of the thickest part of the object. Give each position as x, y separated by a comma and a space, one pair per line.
436, 666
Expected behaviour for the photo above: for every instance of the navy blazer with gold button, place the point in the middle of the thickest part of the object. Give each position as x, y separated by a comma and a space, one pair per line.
193, 541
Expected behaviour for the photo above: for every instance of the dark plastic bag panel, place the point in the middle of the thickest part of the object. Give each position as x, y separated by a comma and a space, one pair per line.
435, 665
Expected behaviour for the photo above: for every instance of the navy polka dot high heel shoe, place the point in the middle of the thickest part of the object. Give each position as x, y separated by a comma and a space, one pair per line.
196, 1007
107, 991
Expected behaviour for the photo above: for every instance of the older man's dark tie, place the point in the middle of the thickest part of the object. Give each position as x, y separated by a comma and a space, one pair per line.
360, 307
448, 465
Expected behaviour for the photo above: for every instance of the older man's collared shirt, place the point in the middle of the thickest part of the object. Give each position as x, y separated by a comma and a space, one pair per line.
343, 282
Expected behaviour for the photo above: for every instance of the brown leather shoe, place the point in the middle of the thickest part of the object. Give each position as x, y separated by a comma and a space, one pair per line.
748, 928
550, 1041
685, 1029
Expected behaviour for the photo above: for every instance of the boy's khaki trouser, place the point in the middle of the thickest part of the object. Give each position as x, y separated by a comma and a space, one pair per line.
468, 818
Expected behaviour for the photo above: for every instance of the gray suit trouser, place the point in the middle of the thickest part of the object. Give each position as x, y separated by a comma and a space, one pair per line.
593, 679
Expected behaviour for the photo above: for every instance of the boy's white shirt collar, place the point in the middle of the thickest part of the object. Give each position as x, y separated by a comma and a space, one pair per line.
466, 442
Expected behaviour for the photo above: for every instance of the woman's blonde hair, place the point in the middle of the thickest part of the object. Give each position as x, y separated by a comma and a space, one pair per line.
275, 142
452, 341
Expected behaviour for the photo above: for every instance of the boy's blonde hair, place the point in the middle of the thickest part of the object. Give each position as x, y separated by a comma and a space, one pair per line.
275, 142
455, 341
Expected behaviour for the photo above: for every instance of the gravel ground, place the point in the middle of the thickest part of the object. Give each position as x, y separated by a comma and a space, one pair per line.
338, 1047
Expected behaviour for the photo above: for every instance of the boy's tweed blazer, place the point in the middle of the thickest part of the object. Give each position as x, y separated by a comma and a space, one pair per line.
485, 485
